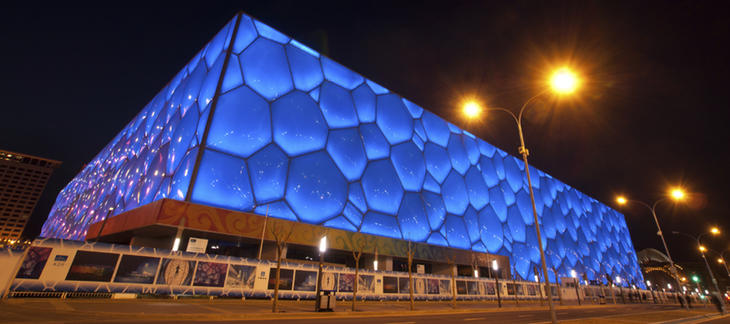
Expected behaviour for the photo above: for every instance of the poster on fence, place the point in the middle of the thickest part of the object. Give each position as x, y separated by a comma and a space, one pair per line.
137, 269
433, 286
241, 276
445, 286
390, 285
329, 281
305, 280
176, 272
92, 266
346, 282
419, 285
366, 284
286, 279
403, 285
210, 274
34, 262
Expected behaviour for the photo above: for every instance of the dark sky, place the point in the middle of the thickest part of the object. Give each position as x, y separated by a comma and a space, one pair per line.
652, 111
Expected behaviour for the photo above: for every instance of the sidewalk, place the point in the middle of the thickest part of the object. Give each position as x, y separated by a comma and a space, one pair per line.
99, 310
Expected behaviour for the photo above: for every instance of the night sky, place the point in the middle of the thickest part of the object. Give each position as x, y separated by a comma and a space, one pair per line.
652, 111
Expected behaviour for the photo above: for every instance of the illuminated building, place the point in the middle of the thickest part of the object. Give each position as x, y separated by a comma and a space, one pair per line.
258, 123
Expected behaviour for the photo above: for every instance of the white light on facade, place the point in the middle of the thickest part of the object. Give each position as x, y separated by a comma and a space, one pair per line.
573, 273
323, 244
495, 265
375, 265
476, 273
176, 244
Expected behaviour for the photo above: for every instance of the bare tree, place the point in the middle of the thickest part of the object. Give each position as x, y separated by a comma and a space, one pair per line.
452, 271
410, 272
358, 243
281, 237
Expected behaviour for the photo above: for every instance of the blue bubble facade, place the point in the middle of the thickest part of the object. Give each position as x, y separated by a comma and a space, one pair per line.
258, 122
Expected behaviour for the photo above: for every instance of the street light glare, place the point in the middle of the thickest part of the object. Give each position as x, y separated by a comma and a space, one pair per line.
720, 260
471, 109
677, 194
703, 248
323, 244
564, 81
621, 200
715, 230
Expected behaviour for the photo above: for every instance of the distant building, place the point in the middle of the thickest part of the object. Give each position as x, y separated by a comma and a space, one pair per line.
22, 180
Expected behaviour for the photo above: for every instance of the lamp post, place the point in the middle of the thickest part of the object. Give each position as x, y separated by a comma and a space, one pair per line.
563, 81
577, 284
676, 194
495, 267
322, 250
703, 249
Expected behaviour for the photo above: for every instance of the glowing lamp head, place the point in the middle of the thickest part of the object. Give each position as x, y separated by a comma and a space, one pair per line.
677, 194
618, 280
564, 81
621, 200
537, 279
471, 109
648, 283
323, 244
669, 286
695, 278
476, 273
703, 248
495, 265
720, 260
683, 278
375, 265
715, 231
573, 274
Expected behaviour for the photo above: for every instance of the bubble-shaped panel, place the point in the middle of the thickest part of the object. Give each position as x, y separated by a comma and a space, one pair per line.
376, 146
305, 68
438, 163
436, 129
412, 218
394, 119
380, 224
454, 193
409, 164
341, 75
268, 169
346, 149
298, 124
337, 106
382, 189
316, 191
266, 69
241, 124
223, 181
365, 103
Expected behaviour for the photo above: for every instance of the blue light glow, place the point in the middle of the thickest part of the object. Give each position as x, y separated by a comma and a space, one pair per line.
301, 137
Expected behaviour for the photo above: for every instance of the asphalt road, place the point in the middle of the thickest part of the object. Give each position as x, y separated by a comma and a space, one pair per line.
503, 317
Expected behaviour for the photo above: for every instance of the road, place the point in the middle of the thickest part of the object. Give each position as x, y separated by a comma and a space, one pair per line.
502, 317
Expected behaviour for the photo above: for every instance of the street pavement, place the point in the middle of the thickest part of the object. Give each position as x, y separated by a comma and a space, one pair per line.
259, 311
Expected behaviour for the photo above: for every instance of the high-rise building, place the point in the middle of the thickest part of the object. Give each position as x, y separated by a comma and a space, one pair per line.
22, 180
258, 127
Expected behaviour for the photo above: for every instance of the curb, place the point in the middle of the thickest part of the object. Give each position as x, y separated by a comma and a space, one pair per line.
696, 319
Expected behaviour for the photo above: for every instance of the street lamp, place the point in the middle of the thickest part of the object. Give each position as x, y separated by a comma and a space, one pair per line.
562, 82
495, 267
703, 249
676, 194
322, 250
